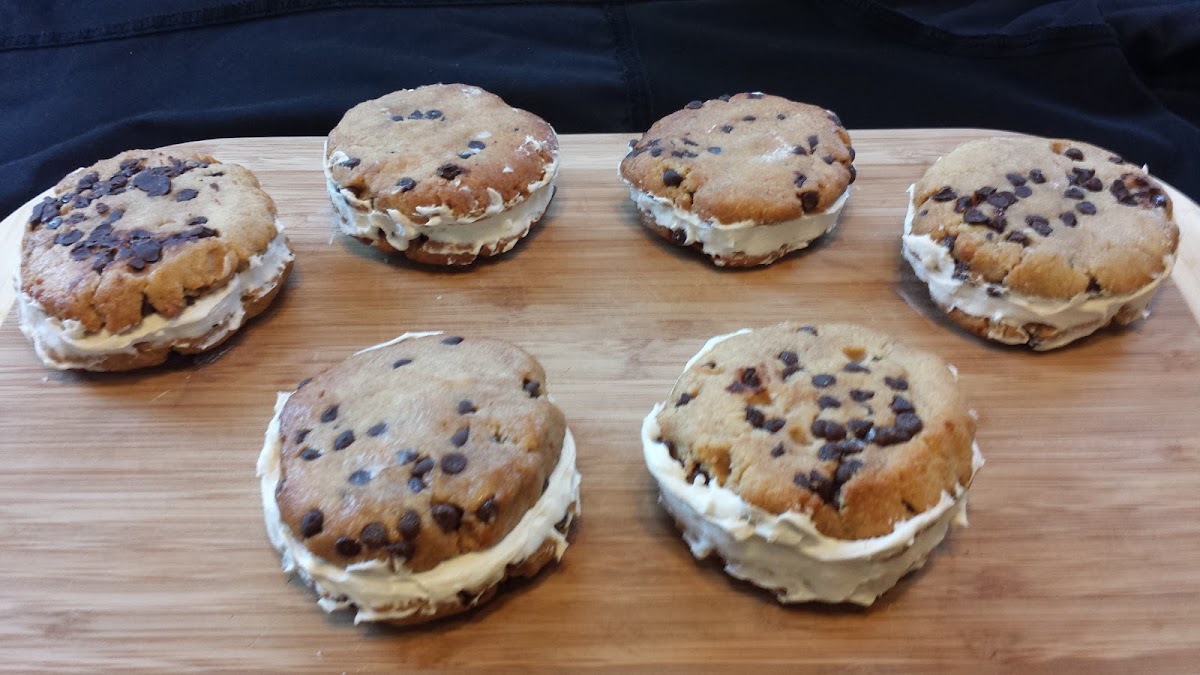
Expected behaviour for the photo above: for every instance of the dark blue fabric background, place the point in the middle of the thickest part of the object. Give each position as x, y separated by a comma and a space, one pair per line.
85, 80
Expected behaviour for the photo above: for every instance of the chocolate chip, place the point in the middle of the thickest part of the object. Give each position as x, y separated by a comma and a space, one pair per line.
69, 237
423, 467
449, 171
684, 154
1075, 154
303, 433
406, 456
799, 150
1073, 193
695, 105
360, 477
1018, 238
1094, 184
846, 470
1037, 176
415, 484
656, 152
343, 440
896, 383
789, 358
148, 250
466, 407
983, 193
433, 114
727, 128
410, 524
901, 405
724, 97
889, 436
855, 367
136, 264
809, 200
309, 454
828, 159
415, 115
454, 463
186, 195
755, 417
860, 428
909, 423
671, 178
684, 398
401, 549
487, 510
1069, 219
1015, 179
812, 142
348, 547
459, 438
946, 194
154, 184
102, 208
452, 340
1023, 191
811, 330
800, 180
312, 523
853, 173
476, 145
330, 414
749, 118
377, 430
1038, 224
401, 362
777, 451
822, 381
714, 149
828, 429
447, 516
1002, 199
374, 535
1086, 208
976, 217
405, 184
465, 154
532, 387
754, 95
789, 371
750, 378
775, 424
962, 204
828, 402
861, 395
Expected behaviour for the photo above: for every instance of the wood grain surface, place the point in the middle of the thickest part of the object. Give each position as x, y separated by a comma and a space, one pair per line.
132, 529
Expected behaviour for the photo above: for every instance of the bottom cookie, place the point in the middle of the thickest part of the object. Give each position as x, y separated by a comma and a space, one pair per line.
429, 252
1037, 336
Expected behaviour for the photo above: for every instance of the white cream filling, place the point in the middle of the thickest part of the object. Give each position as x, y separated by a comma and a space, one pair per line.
500, 221
381, 594
1076, 317
785, 553
77, 348
724, 240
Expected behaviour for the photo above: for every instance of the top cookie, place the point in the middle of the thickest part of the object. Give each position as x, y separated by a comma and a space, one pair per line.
835, 421
442, 145
417, 452
1046, 218
749, 157
145, 231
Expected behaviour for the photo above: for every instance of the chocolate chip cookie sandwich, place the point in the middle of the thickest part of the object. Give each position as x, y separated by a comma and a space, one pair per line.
1039, 242
147, 253
445, 173
409, 481
819, 462
744, 179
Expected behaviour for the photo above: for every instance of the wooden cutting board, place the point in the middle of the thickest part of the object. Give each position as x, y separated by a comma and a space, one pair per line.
132, 529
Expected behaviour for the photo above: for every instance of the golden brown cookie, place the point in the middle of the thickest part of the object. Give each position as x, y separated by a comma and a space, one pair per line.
147, 253
436, 465
1039, 241
745, 179
821, 462
443, 173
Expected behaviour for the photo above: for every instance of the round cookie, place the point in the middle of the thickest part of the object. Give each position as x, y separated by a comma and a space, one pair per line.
1039, 242
146, 253
411, 479
819, 462
444, 173
744, 179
